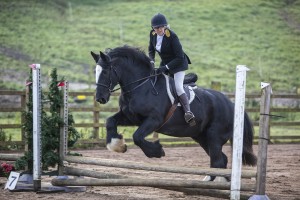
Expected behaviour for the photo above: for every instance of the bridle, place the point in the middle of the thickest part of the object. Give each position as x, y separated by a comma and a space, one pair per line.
144, 79
110, 81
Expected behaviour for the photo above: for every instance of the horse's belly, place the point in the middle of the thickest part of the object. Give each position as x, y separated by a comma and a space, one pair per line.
177, 127
179, 130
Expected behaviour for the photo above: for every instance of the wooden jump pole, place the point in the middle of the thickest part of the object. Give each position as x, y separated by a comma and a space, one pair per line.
187, 191
143, 166
223, 194
64, 114
10, 157
149, 183
263, 141
90, 173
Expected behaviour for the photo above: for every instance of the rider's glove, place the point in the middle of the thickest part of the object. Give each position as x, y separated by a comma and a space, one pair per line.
162, 69
152, 63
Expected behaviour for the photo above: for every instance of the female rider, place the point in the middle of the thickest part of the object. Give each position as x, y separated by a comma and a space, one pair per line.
173, 60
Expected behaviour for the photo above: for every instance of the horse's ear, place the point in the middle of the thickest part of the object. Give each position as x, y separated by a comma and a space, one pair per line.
104, 57
95, 56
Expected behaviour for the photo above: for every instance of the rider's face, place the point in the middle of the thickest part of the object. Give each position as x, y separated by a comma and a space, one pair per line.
159, 30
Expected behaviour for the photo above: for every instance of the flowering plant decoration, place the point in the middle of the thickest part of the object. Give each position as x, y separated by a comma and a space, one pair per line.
5, 169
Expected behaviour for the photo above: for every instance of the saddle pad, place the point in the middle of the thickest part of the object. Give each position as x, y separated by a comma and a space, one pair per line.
188, 90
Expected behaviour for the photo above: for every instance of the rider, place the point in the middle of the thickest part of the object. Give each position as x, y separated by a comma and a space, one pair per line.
173, 59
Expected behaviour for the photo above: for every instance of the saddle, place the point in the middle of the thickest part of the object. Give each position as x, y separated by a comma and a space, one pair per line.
188, 85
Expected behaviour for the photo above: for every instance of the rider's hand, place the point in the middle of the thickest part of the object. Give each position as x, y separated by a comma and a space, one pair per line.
152, 64
161, 69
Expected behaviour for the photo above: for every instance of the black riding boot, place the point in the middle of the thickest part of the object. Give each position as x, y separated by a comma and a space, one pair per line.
188, 115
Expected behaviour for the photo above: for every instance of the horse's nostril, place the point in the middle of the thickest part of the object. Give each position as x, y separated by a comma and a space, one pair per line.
101, 100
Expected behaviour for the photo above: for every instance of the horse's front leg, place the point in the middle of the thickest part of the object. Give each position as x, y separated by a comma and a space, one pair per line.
151, 149
114, 140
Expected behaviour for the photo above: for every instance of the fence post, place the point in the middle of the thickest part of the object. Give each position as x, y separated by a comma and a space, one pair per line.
96, 118
263, 141
24, 100
239, 113
25, 108
64, 114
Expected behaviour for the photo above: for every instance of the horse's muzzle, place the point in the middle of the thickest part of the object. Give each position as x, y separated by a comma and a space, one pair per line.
101, 100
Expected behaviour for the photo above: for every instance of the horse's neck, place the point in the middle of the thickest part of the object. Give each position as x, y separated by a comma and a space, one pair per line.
132, 80
131, 75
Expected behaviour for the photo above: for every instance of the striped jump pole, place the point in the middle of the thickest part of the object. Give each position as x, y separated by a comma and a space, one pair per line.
36, 114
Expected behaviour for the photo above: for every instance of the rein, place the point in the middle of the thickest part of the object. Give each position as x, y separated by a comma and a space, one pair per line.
145, 79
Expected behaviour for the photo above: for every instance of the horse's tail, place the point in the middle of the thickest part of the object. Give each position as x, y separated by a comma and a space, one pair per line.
248, 156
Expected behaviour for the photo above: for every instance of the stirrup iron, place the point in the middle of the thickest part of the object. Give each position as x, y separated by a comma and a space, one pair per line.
190, 118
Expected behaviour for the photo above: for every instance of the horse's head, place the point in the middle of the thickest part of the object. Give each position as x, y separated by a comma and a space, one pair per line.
105, 79
122, 65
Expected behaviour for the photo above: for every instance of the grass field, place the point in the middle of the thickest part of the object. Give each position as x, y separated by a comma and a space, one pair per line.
217, 35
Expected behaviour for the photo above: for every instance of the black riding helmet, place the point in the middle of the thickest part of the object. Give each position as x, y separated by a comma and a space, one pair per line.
159, 20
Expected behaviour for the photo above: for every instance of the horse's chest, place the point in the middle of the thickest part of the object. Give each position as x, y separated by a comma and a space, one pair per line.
131, 114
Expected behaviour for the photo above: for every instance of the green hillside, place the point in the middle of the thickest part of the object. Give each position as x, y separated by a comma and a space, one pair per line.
216, 34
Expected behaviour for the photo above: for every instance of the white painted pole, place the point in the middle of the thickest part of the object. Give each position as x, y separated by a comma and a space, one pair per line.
238, 132
36, 98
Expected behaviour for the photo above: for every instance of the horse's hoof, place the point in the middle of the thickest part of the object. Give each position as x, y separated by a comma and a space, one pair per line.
125, 148
117, 145
207, 178
159, 146
162, 153
221, 179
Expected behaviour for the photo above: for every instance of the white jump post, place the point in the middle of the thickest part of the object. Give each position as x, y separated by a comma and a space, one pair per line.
36, 98
239, 112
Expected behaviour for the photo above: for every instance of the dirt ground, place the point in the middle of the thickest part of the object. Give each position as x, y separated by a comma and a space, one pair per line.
283, 174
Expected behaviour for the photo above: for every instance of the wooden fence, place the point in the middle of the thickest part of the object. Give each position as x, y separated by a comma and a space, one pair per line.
252, 106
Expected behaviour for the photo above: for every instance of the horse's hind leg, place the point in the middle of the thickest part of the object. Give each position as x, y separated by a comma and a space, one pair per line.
213, 148
217, 158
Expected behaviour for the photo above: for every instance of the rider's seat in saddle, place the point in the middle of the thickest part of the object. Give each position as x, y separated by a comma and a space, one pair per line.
188, 86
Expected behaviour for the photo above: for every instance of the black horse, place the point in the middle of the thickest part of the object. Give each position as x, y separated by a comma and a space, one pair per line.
145, 102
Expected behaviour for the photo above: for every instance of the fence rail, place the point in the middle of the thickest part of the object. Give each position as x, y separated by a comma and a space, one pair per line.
98, 123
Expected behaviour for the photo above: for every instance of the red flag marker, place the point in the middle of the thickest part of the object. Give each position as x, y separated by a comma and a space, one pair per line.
33, 66
62, 83
28, 83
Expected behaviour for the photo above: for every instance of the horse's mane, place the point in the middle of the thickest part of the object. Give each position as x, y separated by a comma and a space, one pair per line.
134, 54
